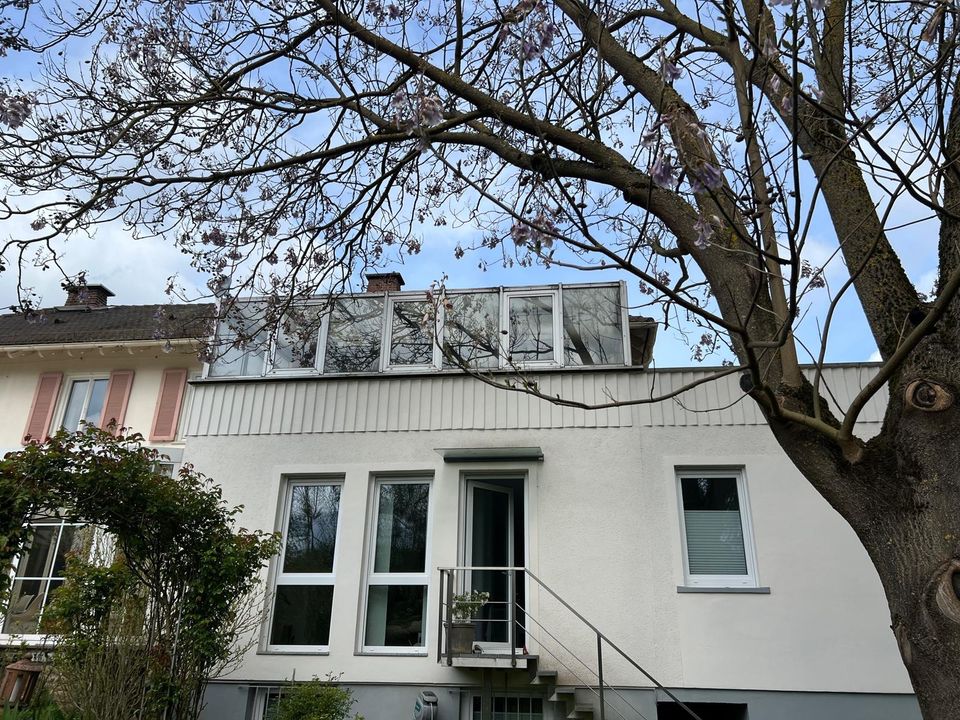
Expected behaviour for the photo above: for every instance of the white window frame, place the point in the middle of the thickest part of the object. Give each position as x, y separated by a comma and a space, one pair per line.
271, 367
301, 579
437, 355
36, 639
372, 579
64, 398
746, 527
557, 300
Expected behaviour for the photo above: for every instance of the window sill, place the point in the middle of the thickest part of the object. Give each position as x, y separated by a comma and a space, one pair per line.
390, 653
723, 590
292, 651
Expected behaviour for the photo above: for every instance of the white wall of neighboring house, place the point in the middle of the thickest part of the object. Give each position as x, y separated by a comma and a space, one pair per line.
20, 370
603, 523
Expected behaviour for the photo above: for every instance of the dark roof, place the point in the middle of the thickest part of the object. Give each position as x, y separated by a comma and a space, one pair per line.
118, 323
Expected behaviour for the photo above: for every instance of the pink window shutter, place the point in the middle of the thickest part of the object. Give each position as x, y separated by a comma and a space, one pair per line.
118, 393
41, 412
169, 403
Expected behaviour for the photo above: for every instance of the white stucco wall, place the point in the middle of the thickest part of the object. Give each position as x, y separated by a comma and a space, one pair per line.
604, 532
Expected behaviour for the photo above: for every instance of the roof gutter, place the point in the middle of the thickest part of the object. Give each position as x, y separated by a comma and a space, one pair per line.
12, 350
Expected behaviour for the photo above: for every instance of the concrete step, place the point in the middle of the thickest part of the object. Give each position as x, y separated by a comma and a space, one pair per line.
581, 712
544, 677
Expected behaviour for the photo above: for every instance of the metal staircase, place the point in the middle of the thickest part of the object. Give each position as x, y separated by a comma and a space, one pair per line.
591, 697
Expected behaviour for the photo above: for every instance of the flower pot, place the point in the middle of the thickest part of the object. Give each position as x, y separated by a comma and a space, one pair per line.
461, 636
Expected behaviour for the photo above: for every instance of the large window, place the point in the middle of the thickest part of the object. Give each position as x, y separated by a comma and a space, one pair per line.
39, 572
241, 346
557, 326
84, 402
411, 333
295, 345
303, 599
354, 336
396, 607
531, 328
718, 550
472, 330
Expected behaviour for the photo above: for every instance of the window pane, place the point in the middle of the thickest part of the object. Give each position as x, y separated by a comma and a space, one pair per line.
713, 526
38, 556
98, 393
592, 326
73, 538
26, 601
78, 395
411, 333
241, 344
297, 338
396, 616
301, 615
472, 330
531, 328
402, 528
312, 530
354, 336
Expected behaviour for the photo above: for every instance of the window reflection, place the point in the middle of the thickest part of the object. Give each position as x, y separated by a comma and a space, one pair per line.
241, 345
411, 333
531, 328
592, 326
472, 330
312, 529
297, 337
354, 336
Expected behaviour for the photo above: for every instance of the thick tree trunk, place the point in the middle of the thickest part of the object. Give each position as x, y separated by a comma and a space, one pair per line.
902, 498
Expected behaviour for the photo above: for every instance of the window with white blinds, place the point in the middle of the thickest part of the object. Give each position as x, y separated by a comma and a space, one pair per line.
717, 542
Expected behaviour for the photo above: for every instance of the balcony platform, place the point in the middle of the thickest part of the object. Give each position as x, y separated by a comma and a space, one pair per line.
500, 661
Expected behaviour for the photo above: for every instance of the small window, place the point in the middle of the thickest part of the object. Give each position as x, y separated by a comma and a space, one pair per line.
303, 599
531, 328
241, 345
295, 346
85, 403
396, 609
592, 326
354, 336
509, 707
716, 529
39, 573
472, 330
411, 333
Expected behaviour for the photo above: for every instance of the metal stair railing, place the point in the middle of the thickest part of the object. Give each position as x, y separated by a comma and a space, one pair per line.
448, 578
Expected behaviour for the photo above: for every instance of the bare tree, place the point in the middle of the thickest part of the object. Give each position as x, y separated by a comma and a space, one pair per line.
282, 144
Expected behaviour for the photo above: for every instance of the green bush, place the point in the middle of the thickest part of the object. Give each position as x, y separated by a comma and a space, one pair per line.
314, 700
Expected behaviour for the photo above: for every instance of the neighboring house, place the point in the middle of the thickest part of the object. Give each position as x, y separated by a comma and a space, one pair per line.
679, 530
88, 361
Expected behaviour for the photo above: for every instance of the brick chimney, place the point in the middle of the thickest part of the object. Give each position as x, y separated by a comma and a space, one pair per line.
88, 295
384, 282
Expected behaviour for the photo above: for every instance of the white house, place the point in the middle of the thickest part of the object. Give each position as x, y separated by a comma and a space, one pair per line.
670, 548
88, 361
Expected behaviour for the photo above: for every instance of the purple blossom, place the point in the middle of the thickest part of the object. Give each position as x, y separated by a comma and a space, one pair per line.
707, 177
770, 49
663, 172
704, 233
815, 92
650, 136
818, 5
15, 109
668, 70
786, 103
431, 111
393, 11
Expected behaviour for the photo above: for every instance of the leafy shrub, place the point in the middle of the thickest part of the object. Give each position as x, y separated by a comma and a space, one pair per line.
315, 700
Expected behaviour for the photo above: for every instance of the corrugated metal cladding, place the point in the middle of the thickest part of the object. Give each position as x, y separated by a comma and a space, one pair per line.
456, 402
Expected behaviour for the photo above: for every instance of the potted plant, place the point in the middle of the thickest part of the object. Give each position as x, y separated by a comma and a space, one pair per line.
466, 607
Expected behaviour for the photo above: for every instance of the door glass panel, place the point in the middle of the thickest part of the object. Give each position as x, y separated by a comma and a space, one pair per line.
531, 329
297, 337
472, 330
354, 336
491, 547
592, 326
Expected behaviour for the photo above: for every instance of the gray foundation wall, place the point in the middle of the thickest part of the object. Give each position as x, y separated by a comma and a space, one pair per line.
230, 701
